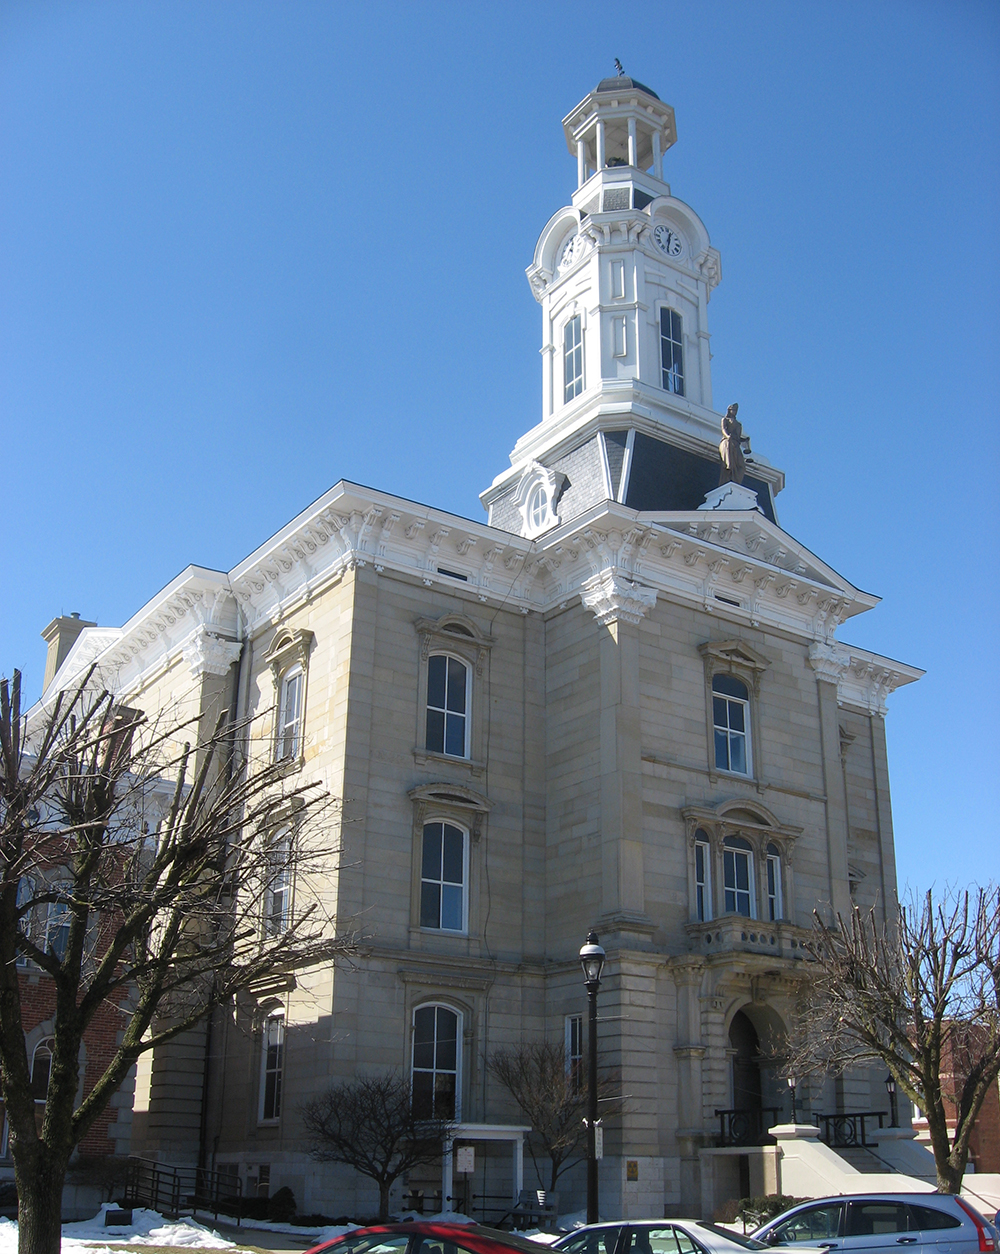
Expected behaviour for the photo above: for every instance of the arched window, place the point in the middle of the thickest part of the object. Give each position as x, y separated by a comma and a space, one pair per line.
737, 866
774, 910
672, 351
449, 689
289, 738
702, 876
278, 889
272, 1066
572, 359
444, 878
435, 1071
731, 721
538, 507
41, 1069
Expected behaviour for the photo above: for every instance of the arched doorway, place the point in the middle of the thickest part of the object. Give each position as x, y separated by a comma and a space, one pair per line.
745, 1046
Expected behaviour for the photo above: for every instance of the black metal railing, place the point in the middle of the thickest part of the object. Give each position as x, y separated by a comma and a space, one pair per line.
841, 1131
747, 1127
176, 1191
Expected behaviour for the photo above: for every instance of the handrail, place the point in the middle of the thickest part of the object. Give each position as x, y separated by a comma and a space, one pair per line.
746, 1127
171, 1189
844, 1131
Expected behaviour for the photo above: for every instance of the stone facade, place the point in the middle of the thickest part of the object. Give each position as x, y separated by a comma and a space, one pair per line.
578, 756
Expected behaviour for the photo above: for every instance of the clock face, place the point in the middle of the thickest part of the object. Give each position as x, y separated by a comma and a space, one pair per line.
572, 249
667, 241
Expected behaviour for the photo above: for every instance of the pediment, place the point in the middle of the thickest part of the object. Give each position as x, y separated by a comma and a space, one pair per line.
734, 653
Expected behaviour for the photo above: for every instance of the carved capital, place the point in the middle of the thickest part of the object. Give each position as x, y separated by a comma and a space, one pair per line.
209, 654
611, 597
829, 661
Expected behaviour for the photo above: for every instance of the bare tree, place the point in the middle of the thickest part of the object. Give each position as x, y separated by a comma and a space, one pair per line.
133, 860
921, 995
553, 1099
370, 1124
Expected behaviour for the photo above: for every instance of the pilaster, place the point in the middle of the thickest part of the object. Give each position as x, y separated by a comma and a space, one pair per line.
830, 662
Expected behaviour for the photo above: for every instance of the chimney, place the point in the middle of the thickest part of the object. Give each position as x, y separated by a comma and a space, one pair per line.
60, 636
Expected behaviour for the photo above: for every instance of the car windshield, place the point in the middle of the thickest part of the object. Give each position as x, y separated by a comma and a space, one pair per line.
737, 1238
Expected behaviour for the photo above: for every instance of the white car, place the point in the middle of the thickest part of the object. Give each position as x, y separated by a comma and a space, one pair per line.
658, 1236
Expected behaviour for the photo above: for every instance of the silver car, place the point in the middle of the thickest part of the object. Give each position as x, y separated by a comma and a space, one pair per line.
935, 1223
657, 1236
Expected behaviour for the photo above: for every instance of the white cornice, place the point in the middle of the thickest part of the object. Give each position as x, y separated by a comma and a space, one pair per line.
741, 568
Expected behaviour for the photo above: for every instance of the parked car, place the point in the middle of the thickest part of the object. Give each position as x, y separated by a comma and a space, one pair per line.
937, 1223
657, 1236
427, 1237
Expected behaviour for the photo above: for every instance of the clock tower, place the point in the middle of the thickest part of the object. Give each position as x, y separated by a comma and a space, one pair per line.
623, 275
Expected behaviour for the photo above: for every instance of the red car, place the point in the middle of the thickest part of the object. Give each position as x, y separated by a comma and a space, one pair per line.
428, 1238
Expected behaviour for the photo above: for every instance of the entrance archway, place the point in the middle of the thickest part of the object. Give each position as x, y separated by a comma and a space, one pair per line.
745, 1045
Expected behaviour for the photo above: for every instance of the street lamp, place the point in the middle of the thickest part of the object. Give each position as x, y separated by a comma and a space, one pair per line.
890, 1088
592, 961
792, 1081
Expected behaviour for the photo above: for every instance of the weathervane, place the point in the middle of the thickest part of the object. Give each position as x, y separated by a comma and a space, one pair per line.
618, 67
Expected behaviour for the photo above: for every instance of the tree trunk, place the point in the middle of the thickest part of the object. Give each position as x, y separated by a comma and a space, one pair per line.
383, 1200
40, 1177
949, 1178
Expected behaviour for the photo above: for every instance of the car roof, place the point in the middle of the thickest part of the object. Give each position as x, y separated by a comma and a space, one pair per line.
474, 1236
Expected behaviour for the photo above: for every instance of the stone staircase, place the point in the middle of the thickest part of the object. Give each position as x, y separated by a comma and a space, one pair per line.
863, 1159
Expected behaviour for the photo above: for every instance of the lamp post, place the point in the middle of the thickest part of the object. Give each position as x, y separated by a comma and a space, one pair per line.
791, 1081
592, 961
890, 1088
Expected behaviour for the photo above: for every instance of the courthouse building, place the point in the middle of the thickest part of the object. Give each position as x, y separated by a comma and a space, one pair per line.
621, 703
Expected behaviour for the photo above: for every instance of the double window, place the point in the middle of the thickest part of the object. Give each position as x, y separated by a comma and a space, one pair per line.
572, 359
272, 1065
448, 692
731, 723
444, 878
435, 1072
672, 351
737, 870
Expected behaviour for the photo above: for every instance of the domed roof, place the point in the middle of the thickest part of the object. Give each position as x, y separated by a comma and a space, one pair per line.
622, 82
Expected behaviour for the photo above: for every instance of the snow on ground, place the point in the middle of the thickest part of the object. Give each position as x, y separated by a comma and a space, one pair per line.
147, 1228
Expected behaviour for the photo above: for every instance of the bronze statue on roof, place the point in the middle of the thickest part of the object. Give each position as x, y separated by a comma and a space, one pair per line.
732, 448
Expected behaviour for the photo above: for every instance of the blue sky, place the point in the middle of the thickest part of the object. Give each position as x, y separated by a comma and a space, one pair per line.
248, 249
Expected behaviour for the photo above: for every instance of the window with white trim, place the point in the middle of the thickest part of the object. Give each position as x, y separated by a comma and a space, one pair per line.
737, 868
41, 1070
449, 690
435, 1064
538, 507
672, 351
572, 359
288, 742
444, 877
774, 910
702, 876
272, 1065
731, 723
278, 889
574, 1052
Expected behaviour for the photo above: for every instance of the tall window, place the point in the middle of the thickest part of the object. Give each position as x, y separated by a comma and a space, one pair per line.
278, 890
731, 719
289, 738
538, 507
574, 1051
272, 1066
443, 877
41, 1069
448, 691
672, 351
57, 924
435, 1063
737, 864
774, 910
702, 877
572, 359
